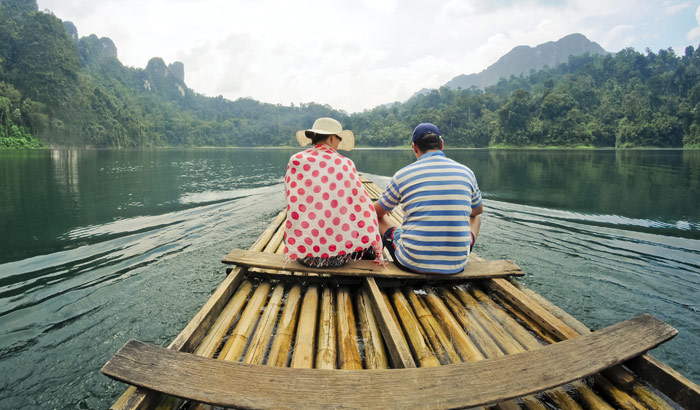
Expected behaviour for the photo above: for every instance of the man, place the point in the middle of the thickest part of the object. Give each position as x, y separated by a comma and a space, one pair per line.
442, 205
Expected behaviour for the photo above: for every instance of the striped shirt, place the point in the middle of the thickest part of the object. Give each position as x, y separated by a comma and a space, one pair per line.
437, 195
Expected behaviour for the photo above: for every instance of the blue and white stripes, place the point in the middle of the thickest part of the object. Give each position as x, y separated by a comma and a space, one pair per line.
437, 195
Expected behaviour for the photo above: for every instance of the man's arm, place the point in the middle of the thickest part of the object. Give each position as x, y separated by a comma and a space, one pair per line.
380, 210
476, 211
385, 222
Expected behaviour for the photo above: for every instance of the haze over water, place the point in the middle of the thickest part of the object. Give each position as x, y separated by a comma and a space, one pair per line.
98, 247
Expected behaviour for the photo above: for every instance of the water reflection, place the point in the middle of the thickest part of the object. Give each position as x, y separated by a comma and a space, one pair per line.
65, 171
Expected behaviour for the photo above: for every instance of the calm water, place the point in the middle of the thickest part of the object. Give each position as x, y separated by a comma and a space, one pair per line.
97, 247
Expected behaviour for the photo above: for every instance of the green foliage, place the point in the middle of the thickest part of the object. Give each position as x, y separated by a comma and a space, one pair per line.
626, 100
17, 138
71, 92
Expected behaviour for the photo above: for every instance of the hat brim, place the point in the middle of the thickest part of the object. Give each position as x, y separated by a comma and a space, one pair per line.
347, 142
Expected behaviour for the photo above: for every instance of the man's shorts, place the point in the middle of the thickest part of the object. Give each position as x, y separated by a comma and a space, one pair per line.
392, 235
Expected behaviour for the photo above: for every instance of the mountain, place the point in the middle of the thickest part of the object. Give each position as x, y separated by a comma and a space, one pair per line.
72, 91
522, 59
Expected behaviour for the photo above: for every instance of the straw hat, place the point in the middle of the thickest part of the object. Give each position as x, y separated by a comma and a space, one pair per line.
327, 126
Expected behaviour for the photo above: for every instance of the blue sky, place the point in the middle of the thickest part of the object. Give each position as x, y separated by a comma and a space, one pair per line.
357, 54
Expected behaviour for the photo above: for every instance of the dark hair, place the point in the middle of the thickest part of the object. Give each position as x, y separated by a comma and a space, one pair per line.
429, 142
316, 138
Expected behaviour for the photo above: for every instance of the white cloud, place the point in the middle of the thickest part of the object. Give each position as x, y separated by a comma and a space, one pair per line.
695, 32
383, 6
671, 8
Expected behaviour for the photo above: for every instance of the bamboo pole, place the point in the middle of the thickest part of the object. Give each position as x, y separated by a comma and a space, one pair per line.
397, 348
619, 376
441, 343
223, 323
606, 388
263, 334
303, 356
500, 319
375, 354
276, 240
509, 345
234, 346
348, 347
464, 345
212, 339
279, 352
392, 310
413, 331
264, 237
490, 349
325, 352
478, 335
623, 399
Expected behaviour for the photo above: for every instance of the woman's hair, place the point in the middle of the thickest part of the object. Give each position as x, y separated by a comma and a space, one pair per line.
316, 138
429, 142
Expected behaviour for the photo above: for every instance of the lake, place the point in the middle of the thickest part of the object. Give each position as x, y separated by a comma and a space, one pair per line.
101, 246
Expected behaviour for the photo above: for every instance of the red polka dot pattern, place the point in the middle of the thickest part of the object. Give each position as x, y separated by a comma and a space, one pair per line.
329, 212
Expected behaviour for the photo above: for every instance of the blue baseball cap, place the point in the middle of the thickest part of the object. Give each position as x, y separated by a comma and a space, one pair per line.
423, 129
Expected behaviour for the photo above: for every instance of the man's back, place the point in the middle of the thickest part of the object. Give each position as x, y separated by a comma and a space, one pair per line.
437, 196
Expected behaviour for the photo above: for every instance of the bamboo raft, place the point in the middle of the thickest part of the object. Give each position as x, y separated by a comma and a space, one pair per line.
280, 334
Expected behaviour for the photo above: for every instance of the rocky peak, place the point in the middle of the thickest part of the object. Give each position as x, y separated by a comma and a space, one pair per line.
177, 69
72, 31
156, 65
93, 49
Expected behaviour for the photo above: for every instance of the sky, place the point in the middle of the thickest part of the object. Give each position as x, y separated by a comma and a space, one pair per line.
356, 55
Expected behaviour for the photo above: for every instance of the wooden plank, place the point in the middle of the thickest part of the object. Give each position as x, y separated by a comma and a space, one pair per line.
243, 385
364, 268
396, 344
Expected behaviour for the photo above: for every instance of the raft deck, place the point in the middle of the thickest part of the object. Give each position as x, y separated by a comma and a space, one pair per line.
316, 320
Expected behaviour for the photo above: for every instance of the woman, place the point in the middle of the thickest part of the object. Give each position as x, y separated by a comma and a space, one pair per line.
330, 217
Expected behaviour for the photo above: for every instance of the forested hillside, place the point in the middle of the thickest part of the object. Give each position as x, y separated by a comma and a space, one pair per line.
626, 100
69, 91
